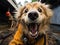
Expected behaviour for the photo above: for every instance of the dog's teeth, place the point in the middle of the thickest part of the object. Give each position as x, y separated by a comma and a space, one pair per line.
30, 33
33, 34
36, 33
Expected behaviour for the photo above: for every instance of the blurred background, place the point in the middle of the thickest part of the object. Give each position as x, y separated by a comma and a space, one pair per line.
7, 8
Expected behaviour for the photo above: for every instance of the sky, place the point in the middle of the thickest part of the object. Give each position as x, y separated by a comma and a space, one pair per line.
22, 1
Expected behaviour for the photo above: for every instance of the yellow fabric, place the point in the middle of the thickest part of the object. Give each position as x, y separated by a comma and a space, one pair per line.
40, 42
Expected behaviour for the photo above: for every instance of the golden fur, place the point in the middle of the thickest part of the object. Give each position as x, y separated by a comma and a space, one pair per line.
43, 20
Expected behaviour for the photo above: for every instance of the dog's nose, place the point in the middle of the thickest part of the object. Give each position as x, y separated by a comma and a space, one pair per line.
33, 15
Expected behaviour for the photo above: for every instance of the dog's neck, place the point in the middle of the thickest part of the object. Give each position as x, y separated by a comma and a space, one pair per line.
30, 41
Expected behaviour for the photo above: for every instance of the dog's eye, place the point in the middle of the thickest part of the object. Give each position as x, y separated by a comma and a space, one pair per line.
26, 10
39, 10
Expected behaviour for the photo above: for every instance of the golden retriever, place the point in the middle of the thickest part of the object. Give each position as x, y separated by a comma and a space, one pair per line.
34, 19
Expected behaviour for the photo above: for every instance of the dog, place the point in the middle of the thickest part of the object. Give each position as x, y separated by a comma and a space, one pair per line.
34, 20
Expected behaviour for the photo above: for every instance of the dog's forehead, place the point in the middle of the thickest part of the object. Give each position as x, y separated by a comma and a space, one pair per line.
33, 5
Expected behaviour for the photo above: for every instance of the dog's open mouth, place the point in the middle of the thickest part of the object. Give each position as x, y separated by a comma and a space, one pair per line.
33, 29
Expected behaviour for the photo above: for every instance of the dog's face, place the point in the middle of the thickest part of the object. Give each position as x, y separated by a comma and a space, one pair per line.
34, 17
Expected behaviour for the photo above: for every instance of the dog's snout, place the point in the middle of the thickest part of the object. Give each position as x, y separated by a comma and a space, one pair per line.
33, 15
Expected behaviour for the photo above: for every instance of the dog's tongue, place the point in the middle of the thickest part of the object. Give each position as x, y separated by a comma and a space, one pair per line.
33, 28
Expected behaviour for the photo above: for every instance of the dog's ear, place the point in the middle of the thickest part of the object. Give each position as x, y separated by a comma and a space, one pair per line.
19, 12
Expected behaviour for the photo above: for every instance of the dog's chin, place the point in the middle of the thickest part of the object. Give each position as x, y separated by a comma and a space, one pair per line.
33, 29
